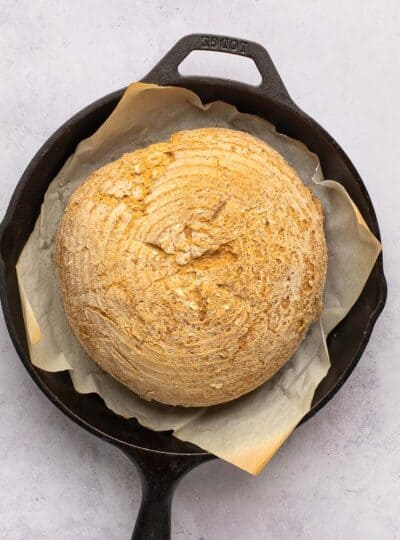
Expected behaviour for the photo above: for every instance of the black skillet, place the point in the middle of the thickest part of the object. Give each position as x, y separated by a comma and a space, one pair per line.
161, 459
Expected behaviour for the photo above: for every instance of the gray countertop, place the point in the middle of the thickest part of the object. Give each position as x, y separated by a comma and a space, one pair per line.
338, 476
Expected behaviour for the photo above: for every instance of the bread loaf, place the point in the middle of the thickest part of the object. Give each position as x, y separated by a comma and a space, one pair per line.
191, 270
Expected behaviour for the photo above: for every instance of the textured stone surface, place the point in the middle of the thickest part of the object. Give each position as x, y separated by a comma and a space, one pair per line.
339, 475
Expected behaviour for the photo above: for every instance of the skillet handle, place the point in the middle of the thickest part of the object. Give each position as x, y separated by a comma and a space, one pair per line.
166, 71
159, 474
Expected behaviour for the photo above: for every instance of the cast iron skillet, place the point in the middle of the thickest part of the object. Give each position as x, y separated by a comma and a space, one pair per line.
161, 459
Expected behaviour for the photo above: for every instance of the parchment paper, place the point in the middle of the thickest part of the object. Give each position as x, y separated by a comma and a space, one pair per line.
248, 431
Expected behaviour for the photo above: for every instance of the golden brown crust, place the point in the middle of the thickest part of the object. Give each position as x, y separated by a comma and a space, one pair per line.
191, 270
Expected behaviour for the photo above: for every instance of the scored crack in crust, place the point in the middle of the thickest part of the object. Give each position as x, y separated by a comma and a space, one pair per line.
191, 270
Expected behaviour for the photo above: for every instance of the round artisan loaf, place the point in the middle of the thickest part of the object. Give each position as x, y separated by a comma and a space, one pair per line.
191, 269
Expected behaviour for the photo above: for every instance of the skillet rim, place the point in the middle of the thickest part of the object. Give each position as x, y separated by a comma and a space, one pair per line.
47, 146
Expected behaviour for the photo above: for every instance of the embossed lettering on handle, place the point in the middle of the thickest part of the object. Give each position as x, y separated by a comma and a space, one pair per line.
222, 43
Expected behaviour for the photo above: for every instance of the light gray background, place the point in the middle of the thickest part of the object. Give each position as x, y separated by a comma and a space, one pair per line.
338, 477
